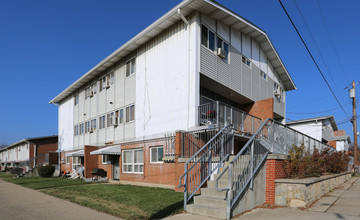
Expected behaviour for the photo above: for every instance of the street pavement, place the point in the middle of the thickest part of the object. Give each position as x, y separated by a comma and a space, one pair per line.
17, 202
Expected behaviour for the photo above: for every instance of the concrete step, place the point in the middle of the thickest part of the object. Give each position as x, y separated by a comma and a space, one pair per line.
210, 202
223, 184
211, 192
206, 211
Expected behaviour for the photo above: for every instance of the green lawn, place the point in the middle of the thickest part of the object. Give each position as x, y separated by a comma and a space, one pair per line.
124, 201
39, 182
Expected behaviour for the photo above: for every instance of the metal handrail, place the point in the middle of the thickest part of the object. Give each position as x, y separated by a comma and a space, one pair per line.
216, 147
197, 153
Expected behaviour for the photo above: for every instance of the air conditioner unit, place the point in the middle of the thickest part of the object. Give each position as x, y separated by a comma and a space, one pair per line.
107, 85
221, 53
91, 94
277, 92
91, 130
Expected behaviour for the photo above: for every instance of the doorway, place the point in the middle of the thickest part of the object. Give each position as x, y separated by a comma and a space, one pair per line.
116, 168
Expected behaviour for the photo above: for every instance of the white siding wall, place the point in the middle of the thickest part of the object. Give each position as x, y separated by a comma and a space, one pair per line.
166, 95
66, 115
312, 129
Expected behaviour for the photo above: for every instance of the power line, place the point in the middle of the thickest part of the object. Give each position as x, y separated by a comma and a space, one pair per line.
332, 42
329, 110
317, 47
317, 66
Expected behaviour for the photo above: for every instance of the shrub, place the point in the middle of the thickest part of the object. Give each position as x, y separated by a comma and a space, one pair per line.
301, 163
46, 171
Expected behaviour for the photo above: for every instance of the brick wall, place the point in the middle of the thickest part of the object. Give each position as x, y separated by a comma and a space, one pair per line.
31, 155
106, 167
274, 170
263, 108
90, 161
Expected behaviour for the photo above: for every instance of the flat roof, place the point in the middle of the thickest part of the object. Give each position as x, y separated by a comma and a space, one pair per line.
210, 8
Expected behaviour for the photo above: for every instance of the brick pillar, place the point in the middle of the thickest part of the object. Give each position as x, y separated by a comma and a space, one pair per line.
90, 161
274, 170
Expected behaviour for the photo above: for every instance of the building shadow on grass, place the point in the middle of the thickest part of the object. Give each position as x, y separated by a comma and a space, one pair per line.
168, 210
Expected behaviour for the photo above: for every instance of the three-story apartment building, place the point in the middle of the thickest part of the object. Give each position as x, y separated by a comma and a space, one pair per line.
198, 54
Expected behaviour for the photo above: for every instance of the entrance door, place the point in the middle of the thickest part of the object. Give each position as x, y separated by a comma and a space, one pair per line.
116, 167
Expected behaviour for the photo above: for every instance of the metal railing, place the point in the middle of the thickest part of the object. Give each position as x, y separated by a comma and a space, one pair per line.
284, 137
220, 114
199, 168
193, 141
242, 169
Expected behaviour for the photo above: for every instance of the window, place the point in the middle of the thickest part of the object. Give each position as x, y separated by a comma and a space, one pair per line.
93, 89
156, 154
207, 38
87, 126
76, 130
87, 92
130, 113
110, 79
82, 128
102, 122
130, 67
246, 61
110, 119
133, 161
223, 45
105, 159
76, 99
67, 159
263, 75
93, 125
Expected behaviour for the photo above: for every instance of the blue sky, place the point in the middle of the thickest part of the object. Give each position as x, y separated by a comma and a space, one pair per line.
46, 45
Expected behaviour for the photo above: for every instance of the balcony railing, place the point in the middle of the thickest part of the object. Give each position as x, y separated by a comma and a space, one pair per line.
220, 114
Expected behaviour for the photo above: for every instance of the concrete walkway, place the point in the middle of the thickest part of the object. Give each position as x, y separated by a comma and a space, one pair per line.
17, 202
341, 204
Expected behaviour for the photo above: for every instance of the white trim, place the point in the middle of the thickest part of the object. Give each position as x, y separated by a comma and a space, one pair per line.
132, 164
102, 159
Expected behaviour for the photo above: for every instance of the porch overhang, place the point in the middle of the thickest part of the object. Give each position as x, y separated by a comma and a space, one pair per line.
113, 150
79, 153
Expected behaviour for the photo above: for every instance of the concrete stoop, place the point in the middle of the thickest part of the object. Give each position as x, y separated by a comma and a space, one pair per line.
212, 203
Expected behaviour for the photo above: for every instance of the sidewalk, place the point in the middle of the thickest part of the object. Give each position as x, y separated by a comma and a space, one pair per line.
18, 202
343, 203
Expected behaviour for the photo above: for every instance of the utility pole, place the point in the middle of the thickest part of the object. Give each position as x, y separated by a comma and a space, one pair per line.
354, 121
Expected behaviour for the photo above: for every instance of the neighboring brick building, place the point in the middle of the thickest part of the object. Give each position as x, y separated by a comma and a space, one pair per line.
30, 152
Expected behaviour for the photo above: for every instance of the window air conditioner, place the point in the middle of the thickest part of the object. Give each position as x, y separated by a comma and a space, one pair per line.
221, 53
107, 85
91, 94
277, 93
91, 130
